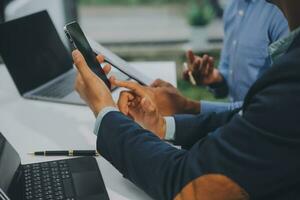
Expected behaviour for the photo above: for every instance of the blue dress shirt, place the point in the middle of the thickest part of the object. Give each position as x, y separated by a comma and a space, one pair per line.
250, 26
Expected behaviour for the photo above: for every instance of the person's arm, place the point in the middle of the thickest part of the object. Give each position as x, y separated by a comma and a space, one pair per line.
192, 128
219, 89
248, 147
278, 26
208, 109
183, 130
158, 168
218, 107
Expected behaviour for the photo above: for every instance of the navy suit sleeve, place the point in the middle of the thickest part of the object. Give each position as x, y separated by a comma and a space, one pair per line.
158, 168
191, 128
140, 156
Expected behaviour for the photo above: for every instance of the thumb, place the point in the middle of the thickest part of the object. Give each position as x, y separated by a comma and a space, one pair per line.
81, 64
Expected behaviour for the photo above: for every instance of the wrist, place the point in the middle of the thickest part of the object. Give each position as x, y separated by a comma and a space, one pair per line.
161, 128
192, 107
219, 77
97, 108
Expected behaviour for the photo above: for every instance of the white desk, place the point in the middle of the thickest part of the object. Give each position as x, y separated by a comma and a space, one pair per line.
35, 125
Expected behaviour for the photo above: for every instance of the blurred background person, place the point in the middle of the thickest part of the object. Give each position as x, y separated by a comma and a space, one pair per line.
250, 27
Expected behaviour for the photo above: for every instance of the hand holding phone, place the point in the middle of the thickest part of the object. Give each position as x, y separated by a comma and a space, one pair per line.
90, 88
80, 42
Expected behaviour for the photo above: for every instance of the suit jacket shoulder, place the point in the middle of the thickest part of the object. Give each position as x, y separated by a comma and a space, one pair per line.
285, 69
273, 102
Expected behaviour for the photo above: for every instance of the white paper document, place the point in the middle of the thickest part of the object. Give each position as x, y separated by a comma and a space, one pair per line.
115, 196
120, 63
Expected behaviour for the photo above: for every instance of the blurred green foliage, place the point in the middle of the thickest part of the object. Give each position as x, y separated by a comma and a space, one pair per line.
196, 92
200, 13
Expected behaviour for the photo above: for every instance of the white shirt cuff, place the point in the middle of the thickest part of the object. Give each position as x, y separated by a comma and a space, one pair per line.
170, 123
170, 128
100, 117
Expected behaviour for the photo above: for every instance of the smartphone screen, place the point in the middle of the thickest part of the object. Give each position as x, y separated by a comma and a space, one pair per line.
80, 42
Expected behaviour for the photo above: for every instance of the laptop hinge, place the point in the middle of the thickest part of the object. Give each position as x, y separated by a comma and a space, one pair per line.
16, 188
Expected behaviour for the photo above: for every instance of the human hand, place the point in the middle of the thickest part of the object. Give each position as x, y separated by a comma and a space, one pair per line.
202, 68
89, 86
170, 101
138, 104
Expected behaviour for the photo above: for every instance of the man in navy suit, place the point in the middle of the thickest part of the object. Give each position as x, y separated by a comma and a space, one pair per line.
251, 152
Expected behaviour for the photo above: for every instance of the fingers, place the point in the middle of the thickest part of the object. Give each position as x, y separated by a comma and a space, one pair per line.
135, 87
190, 57
196, 67
211, 62
100, 58
78, 82
160, 83
79, 85
107, 69
147, 105
124, 100
204, 65
81, 65
156, 83
112, 80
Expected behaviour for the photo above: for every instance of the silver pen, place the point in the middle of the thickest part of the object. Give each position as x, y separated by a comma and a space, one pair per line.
191, 77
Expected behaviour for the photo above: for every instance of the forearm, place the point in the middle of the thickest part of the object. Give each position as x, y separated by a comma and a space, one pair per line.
191, 128
156, 167
196, 107
139, 155
192, 107
219, 107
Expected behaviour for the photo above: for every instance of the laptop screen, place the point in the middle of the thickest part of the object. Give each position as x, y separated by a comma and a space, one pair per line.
32, 51
9, 164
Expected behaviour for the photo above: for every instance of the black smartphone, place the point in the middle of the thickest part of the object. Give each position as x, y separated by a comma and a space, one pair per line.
80, 42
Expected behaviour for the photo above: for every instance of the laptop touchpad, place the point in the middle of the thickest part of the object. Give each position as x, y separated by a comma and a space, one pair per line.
87, 183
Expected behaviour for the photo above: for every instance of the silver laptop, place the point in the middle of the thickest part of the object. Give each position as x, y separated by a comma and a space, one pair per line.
37, 60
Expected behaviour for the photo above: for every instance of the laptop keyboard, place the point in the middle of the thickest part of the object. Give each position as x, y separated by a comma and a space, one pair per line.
48, 181
60, 88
